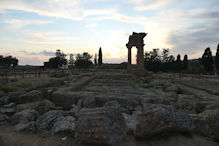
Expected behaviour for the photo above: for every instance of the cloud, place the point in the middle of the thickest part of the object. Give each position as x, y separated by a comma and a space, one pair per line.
124, 18
16, 24
68, 9
47, 53
92, 25
203, 14
186, 29
194, 39
44, 52
52, 8
96, 12
52, 38
142, 5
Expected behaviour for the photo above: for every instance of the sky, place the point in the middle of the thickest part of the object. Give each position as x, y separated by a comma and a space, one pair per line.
32, 30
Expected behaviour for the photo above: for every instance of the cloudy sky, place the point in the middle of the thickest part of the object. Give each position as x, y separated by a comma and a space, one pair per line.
32, 30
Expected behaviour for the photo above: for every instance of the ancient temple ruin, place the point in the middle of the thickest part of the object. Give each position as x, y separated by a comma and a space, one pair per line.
137, 40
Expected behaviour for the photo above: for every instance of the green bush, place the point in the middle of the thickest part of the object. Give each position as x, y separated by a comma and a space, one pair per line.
146, 85
25, 84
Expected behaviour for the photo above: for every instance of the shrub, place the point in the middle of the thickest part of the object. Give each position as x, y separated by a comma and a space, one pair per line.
146, 85
83, 64
25, 84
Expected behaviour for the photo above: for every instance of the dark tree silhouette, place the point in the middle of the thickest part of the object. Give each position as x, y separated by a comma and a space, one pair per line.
100, 60
57, 61
207, 60
167, 61
83, 60
178, 63
152, 60
165, 55
185, 62
217, 59
8, 61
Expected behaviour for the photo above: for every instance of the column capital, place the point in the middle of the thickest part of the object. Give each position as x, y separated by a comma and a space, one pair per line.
128, 46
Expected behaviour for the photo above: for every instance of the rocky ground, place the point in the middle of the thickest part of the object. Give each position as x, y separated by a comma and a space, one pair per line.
112, 107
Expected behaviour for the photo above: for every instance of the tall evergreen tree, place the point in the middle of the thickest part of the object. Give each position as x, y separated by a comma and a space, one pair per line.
207, 60
185, 62
217, 59
178, 63
100, 61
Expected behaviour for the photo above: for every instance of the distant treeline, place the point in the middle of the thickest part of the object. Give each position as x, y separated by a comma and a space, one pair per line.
164, 62
79, 61
155, 61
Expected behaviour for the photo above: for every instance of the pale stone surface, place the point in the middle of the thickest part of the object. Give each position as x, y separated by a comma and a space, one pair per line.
40, 106
131, 122
29, 127
47, 120
100, 126
158, 119
206, 123
89, 102
24, 116
64, 125
31, 96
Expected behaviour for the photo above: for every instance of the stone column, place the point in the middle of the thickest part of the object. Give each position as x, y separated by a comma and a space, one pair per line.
129, 57
140, 55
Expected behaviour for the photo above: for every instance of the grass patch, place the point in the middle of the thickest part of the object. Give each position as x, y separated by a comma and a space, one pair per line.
25, 84
146, 85
7, 88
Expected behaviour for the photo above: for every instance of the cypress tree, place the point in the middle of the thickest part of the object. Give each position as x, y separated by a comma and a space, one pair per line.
100, 61
207, 60
185, 62
217, 59
178, 63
